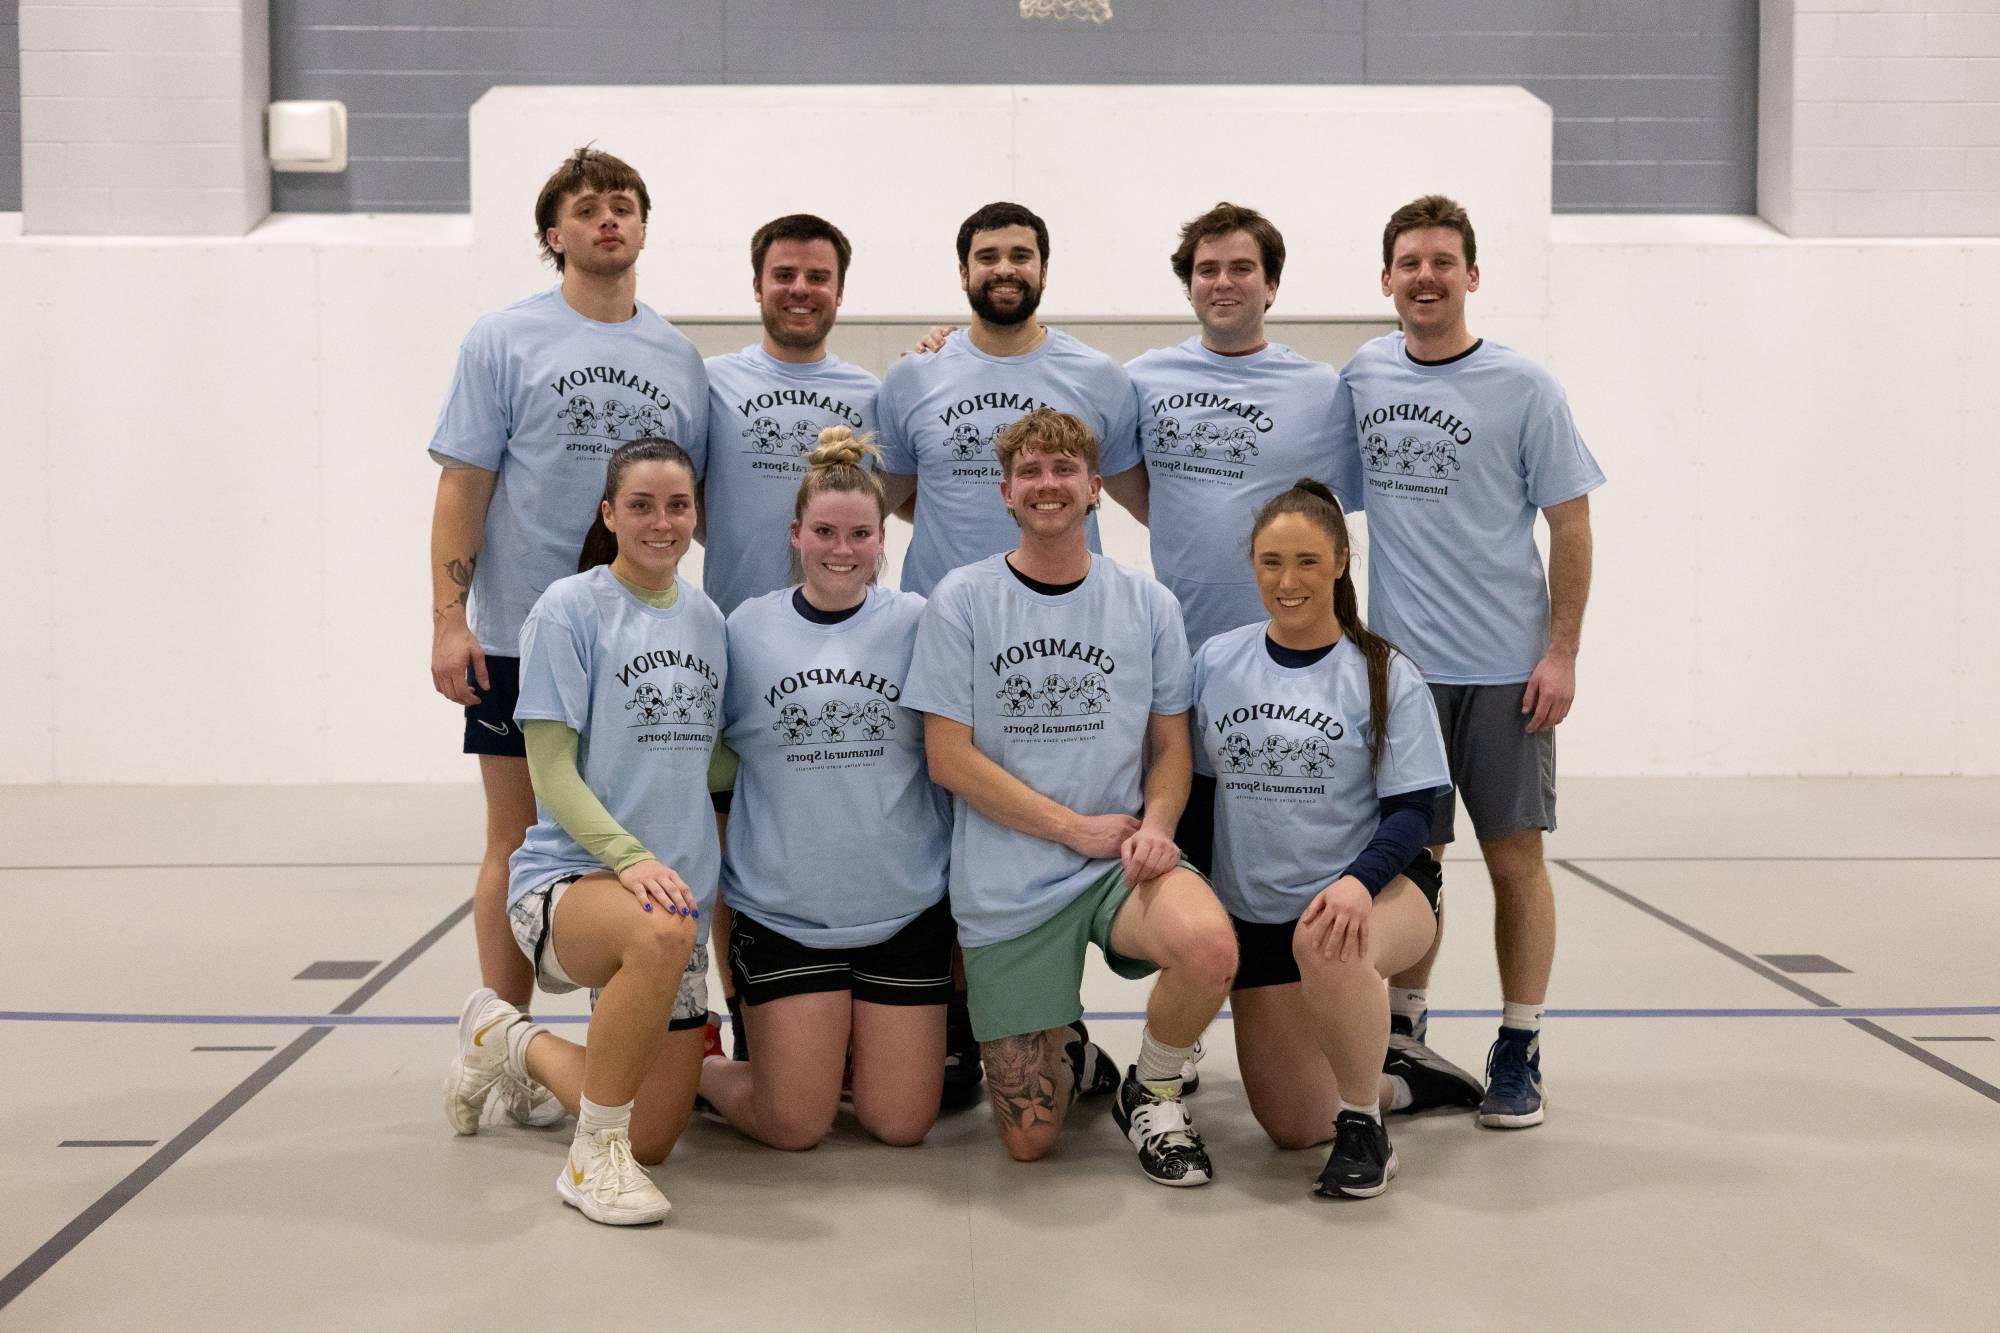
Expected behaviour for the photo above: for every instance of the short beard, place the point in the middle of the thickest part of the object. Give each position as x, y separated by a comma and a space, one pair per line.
775, 330
982, 306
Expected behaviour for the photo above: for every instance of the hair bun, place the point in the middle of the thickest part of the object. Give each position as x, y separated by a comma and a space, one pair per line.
840, 447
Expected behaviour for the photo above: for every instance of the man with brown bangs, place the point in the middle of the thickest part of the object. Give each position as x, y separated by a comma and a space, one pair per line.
1055, 686
544, 392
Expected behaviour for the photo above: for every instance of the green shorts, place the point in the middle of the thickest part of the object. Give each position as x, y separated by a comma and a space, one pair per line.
1035, 981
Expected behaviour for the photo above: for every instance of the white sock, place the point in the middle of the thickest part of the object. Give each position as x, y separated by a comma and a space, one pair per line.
1521, 1017
1409, 1002
1373, 1110
1160, 1065
594, 1119
1399, 1091
518, 1037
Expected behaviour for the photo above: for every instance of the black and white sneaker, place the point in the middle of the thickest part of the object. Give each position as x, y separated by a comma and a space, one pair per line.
1092, 1072
1434, 1081
963, 1072
1170, 1151
1363, 1161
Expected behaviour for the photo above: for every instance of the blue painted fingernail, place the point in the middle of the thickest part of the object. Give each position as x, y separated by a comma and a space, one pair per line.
649, 907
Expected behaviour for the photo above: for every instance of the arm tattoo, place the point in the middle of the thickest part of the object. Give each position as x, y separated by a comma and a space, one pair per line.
1021, 1078
460, 573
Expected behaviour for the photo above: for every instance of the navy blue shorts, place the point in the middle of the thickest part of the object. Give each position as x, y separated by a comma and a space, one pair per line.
1264, 948
490, 727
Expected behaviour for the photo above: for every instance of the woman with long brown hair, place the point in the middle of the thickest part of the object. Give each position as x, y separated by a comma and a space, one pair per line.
1327, 757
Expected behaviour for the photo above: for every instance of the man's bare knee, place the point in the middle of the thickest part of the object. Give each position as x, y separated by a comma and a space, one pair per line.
1029, 1145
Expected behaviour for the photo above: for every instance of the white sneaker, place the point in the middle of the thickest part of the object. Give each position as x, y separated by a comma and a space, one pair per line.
605, 1182
527, 1102
481, 1060
1190, 1076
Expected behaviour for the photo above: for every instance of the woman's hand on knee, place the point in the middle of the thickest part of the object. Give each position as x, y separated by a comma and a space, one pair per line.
652, 883
1334, 926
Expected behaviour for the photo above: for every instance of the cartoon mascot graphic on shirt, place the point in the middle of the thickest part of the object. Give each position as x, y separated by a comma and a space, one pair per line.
1168, 436
578, 415
1091, 694
704, 700
1053, 691
764, 435
1015, 695
1242, 444
793, 723
834, 719
647, 422
1276, 751
616, 419
1444, 457
1375, 450
1315, 757
680, 703
876, 720
1237, 755
805, 436
965, 441
650, 703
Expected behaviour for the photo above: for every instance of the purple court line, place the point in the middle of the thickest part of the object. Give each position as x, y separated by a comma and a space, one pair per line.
1107, 1016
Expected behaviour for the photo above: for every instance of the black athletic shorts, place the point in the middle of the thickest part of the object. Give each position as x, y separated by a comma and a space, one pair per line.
1264, 949
490, 727
1196, 831
911, 967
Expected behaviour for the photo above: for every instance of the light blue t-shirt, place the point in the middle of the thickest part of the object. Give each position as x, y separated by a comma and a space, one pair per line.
1295, 801
1058, 691
1454, 460
543, 396
764, 419
837, 836
1222, 435
941, 413
642, 689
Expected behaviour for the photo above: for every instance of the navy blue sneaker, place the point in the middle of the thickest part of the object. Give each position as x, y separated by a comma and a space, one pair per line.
963, 1072
1513, 1081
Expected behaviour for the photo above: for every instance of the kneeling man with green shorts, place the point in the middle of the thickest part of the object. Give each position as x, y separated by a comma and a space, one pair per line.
1056, 687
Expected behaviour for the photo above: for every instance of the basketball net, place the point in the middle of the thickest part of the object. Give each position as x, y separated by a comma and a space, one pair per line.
1097, 11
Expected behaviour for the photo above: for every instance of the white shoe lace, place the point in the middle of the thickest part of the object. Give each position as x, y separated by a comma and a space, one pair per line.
621, 1176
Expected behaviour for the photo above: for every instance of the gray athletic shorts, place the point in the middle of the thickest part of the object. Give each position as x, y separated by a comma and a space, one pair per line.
530, 918
1506, 777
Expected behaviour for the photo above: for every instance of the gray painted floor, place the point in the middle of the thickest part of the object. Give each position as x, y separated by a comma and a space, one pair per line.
1728, 1144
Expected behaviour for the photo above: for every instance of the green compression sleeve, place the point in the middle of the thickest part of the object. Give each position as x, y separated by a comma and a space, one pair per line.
560, 787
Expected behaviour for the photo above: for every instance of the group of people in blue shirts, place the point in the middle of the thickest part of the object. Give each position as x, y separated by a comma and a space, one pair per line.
909, 811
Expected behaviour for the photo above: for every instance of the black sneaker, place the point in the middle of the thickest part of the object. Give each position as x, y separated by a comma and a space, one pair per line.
1092, 1072
963, 1072
1170, 1152
1363, 1161
1433, 1080
1413, 1029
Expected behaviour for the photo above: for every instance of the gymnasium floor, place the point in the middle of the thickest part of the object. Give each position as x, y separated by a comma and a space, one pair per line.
201, 1137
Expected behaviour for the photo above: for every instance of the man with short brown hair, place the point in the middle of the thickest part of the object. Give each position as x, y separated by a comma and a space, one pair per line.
544, 391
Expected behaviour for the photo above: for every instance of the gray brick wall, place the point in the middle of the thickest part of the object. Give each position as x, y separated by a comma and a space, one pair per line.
10, 106
1655, 100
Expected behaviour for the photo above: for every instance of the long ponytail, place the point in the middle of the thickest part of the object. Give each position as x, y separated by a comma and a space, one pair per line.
600, 544
1314, 502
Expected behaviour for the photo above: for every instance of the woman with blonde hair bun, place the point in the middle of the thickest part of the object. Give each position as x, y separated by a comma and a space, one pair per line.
838, 844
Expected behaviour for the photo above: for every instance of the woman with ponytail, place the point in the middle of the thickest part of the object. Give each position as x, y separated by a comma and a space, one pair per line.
1327, 757
838, 844
622, 669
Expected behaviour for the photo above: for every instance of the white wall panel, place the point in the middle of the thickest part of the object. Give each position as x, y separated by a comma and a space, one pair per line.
189, 615
215, 499
31, 521
1115, 171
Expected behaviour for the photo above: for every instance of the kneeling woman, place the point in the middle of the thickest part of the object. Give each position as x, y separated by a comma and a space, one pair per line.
1327, 756
838, 846
622, 667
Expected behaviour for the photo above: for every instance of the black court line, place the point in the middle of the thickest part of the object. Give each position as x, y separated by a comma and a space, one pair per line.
235, 1048
1804, 992
52, 1251
1951, 1039
107, 1143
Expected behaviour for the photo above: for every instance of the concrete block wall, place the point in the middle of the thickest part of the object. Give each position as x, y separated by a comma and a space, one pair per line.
144, 117
10, 107
1881, 117
1654, 100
